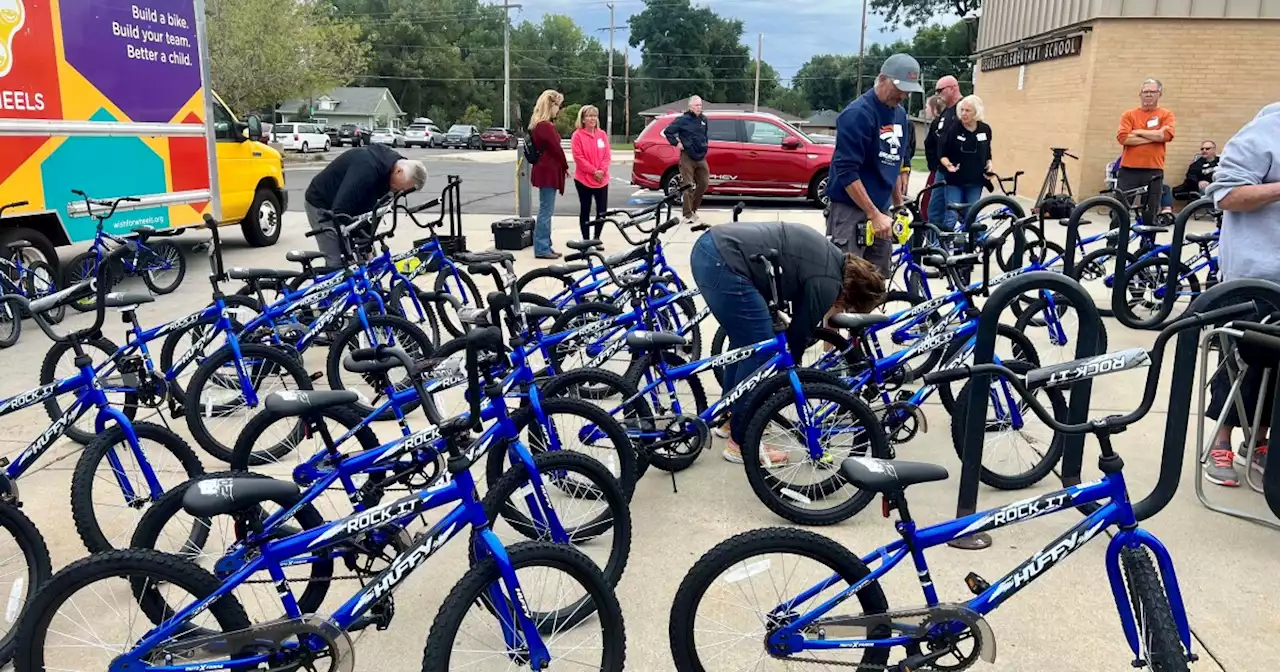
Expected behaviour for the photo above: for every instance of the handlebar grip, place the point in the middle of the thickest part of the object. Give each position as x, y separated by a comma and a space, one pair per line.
419, 208
685, 187
668, 225
310, 234
1259, 349
131, 199
77, 192
480, 269
948, 375
575, 256
699, 227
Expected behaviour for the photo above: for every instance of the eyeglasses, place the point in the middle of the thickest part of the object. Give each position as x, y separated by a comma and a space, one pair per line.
1206, 149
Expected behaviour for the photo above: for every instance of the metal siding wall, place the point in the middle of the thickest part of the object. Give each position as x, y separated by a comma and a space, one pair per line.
1009, 21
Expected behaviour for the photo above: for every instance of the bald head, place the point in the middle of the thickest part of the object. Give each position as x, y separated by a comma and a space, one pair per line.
949, 88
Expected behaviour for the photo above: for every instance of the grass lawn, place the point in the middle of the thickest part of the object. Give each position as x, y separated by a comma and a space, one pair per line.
918, 163
624, 147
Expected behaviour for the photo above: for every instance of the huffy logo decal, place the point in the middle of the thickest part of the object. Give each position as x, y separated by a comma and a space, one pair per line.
12, 15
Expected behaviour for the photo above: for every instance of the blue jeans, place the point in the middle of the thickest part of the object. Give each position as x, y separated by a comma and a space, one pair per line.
959, 194
741, 309
542, 227
937, 199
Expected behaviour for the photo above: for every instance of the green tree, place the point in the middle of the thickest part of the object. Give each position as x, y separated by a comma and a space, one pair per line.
912, 13
791, 101
567, 120
474, 116
690, 50
266, 51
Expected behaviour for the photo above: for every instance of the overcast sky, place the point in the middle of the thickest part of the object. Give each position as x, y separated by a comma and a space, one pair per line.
793, 31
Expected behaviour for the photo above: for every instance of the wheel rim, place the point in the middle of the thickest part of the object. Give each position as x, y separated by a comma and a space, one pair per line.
822, 192
268, 219
171, 256
673, 186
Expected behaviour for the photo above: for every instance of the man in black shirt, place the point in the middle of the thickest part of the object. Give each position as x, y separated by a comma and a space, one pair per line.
1199, 173
689, 133
948, 89
351, 185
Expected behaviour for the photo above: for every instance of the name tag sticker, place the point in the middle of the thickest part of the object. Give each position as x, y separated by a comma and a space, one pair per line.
600, 143
1152, 123
897, 129
961, 137
982, 137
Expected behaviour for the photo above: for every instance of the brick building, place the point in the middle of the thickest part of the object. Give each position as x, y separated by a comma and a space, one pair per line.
1059, 73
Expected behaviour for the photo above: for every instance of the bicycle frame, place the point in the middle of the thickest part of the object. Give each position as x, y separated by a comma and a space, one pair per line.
1116, 512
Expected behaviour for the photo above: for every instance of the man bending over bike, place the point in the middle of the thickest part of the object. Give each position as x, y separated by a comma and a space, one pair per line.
814, 276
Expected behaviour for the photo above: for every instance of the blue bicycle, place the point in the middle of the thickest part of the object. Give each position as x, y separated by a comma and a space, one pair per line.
128, 464
784, 594
184, 619
160, 264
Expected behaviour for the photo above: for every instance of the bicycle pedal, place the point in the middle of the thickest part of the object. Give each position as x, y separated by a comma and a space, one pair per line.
977, 585
903, 395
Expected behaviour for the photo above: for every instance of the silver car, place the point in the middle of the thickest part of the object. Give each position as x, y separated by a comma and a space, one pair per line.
423, 135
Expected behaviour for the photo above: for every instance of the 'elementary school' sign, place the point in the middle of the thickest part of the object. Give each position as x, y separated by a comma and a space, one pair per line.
1045, 51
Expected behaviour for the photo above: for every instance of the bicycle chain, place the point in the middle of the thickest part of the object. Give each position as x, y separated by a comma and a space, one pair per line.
895, 667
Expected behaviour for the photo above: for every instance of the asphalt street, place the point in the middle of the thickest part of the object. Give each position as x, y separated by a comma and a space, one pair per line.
489, 183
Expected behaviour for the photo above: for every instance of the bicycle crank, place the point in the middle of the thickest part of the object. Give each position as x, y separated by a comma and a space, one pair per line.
313, 638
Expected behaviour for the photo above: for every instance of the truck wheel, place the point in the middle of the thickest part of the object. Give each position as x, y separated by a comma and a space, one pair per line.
38, 241
261, 225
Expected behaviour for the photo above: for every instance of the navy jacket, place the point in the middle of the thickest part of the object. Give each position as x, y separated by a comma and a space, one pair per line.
354, 182
869, 147
691, 130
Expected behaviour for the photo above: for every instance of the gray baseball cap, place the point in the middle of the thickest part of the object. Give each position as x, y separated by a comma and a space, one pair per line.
904, 71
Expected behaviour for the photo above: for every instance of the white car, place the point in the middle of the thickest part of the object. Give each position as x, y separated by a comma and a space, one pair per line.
423, 135
387, 136
301, 137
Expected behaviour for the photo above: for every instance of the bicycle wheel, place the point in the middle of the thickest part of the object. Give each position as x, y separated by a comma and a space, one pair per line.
895, 337
292, 434
1011, 344
804, 489
382, 330
10, 323
216, 414
716, 618
576, 426
579, 352
39, 281
115, 581
1158, 632
1095, 272
668, 401
479, 598
1056, 332
583, 496
1145, 284
105, 516
549, 282
1036, 242
827, 350
1043, 445
636, 415
401, 303
84, 266
185, 349
168, 528
164, 268
22, 572
121, 389
455, 282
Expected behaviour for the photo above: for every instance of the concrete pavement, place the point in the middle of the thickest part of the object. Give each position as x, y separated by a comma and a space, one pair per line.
1066, 622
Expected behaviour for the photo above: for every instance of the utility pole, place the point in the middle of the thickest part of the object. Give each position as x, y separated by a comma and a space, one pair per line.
862, 47
626, 85
759, 48
608, 92
506, 61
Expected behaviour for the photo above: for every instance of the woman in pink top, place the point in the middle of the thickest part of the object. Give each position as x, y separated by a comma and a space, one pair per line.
591, 156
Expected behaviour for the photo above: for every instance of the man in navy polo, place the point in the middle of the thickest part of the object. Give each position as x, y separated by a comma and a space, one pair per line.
870, 151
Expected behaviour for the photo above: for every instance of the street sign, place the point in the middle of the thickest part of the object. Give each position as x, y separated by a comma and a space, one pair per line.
608, 94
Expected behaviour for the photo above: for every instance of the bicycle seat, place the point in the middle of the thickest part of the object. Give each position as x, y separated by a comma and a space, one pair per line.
1149, 230
290, 403
1202, 238
303, 256
858, 321
655, 340
562, 270
541, 312
584, 245
261, 273
883, 476
143, 232
954, 260
127, 299
227, 494
366, 360
483, 257
959, 207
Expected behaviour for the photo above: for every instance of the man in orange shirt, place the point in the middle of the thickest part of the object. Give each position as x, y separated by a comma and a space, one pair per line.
1143, 133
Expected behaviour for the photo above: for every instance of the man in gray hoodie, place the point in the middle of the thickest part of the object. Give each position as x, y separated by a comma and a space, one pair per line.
1246, 187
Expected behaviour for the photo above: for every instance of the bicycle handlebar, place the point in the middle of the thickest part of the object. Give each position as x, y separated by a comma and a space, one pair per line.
97, 284
1070, 372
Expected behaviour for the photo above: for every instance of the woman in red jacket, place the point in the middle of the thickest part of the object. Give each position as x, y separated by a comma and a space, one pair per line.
591, 157
549, 173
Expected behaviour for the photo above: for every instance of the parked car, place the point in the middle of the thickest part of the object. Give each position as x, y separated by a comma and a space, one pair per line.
301, 137
462, 135
423, 135
332, 132
352, 134
387, 136
750, 154
822, 138
497, 137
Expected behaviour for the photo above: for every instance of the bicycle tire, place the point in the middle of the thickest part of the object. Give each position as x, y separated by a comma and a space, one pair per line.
77, 270
1151, 612
927, 362
1024, 349
1034, 237
665, 461
43, 285
765, 485
546, 273
10, 323
603, 487
157, 569
173, 340
84, 477
1039, 306
348, 340
1093, 264
1038, 471
280, 361
244, 458
169, 505
396, 304
452, 323
737, 550
621, 453
35, 553
637, 416
1161, 267
160, 251
49, 375
576, 316
471, 589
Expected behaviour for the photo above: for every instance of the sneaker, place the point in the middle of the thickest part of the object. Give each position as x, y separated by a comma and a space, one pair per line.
548, 255
1259, 457
722, 431
777, 458
1220, 470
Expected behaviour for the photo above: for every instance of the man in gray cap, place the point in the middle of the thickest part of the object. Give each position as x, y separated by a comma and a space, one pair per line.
869, 154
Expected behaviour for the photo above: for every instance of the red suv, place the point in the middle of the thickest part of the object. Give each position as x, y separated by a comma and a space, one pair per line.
749, 154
